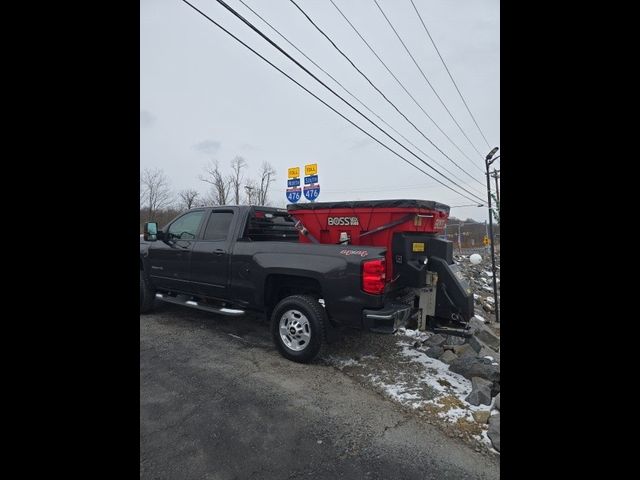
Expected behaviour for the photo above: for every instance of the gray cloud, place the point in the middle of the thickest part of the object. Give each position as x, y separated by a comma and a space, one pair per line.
208, 147
147, 119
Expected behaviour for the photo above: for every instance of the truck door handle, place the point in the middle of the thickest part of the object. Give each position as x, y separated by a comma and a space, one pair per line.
219, 251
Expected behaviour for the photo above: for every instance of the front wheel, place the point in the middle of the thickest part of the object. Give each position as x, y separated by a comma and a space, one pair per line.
298, 328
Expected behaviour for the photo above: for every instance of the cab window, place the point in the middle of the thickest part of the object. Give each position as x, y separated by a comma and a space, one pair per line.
218, 226
186, 227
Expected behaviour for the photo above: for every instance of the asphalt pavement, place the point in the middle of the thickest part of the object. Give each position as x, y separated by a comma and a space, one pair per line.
217, 401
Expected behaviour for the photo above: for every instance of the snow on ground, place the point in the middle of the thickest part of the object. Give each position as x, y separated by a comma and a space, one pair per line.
342, 362
417, 334
406, 375
398, 368
437, 376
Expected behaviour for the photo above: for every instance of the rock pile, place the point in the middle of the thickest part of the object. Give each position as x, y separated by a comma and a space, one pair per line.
478, 357
480, 278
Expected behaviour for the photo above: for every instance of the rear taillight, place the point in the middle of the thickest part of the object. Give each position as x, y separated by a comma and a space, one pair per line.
373, 276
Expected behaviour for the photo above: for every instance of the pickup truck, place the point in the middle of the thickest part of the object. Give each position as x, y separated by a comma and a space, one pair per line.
232, 259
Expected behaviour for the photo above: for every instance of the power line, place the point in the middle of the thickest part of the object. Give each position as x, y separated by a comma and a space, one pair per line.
381, 188
407, 92
302, 67
425, 77
383, 95
449, 73
354, 96
314, 95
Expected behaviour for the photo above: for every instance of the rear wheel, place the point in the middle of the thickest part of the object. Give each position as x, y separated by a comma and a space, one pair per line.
147, 294
298, 328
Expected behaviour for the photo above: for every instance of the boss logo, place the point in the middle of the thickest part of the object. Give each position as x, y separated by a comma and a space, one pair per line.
345, 221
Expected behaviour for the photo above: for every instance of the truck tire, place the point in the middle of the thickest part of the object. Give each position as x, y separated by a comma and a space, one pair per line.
147, 294
298, 327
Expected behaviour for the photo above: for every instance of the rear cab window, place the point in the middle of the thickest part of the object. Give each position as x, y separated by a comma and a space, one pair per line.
270, 225
218, 226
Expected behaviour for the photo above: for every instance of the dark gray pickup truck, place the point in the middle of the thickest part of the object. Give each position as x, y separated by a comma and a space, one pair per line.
228, 260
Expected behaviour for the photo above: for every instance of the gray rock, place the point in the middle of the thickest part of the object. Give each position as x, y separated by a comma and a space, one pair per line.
484, 334
481, 416
488, 337
479, 347
448, 356
496, 403
494, 431
469, 352
480, 392
495, 389
436, 340
434, 352
475, 325
460, 349
476, 344
470, 366
454, 340
489, 352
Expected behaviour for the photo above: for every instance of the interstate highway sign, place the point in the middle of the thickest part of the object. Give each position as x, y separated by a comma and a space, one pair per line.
311, 192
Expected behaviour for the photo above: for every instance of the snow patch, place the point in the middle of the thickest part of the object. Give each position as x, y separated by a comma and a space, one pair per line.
417, 334
438, 378
343, 362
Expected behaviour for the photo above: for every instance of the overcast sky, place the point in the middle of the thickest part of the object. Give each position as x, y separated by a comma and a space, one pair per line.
204, 96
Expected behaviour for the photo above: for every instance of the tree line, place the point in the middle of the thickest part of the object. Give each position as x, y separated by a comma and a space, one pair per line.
160, 203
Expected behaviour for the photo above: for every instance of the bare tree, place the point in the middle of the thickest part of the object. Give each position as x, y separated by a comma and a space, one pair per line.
155, 193
267, 177
251, 189
221, 186
237, 164
188, 198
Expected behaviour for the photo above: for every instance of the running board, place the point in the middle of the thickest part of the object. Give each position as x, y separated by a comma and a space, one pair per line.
190, 303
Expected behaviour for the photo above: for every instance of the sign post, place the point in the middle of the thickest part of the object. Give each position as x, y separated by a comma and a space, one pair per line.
311, 184
293, 185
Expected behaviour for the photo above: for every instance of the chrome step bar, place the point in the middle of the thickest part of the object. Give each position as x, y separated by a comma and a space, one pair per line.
233, 312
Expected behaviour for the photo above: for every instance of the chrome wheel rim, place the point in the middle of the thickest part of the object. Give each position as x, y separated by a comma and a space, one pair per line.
295, 330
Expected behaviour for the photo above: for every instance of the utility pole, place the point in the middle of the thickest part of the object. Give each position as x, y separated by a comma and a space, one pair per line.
488, 161
486, 234
495, 177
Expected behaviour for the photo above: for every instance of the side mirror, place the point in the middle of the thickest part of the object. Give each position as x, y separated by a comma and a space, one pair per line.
150, 231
